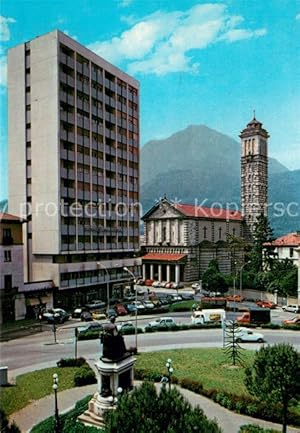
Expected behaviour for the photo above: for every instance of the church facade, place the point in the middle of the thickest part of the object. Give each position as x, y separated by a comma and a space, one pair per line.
180, 240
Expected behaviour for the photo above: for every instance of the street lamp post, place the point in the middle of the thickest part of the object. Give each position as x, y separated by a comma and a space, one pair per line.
135, 331
170, 371
107, 285
241, 277
56, 415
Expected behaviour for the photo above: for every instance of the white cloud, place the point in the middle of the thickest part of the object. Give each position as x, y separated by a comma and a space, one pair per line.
298, 16
4, 28
125, 3
163, 41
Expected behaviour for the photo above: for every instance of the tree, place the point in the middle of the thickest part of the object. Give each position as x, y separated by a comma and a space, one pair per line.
213, 279
146, 411
261, 257
232, 348
5, 426
275, 377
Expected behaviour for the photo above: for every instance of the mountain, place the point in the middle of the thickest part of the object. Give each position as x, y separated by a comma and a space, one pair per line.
3, 205
199, 163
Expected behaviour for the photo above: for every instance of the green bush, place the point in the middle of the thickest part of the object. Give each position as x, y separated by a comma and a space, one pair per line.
91, 335
71, 362
191, 385
131, 331
84, 376
270, 326
6, 426
249, 428
292, 327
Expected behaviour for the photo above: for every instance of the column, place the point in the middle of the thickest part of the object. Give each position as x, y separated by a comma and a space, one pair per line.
159, 273
177, 273
168, 273
144, 271
151, 272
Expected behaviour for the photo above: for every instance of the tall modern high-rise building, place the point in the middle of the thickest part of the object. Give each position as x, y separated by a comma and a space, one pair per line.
74, 165
254, 173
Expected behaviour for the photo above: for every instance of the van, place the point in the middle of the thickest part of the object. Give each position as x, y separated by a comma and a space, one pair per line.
215, 315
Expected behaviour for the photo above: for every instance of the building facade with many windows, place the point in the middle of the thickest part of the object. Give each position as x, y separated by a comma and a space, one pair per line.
73, 165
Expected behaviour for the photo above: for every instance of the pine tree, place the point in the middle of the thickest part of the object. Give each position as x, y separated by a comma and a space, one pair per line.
232, 348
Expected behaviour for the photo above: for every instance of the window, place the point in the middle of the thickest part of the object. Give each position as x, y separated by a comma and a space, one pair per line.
220, 232
7, 281
204, 232
164, 234
291, 252
7, 256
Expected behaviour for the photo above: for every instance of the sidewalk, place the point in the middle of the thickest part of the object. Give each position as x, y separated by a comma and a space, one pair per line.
230, 422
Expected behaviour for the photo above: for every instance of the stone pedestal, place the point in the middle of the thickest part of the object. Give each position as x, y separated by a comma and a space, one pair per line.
112, 375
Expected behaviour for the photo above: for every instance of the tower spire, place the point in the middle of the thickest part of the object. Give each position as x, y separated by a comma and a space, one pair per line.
254, 118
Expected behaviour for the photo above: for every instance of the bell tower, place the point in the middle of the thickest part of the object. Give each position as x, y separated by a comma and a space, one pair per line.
254, 172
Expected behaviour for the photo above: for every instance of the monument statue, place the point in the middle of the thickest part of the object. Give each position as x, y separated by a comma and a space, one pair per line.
113, 343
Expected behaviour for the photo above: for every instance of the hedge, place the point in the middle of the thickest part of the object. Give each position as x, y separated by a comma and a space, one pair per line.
250, 428
84, 376
246, 405
71, 362
90, 335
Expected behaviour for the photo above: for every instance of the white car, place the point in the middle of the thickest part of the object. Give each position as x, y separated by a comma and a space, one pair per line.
148, 304
156, 284
162, 322
247, 335
139, 305
291, 308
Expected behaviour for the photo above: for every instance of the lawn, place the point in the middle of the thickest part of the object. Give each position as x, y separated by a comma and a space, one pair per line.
208, 366
33, 386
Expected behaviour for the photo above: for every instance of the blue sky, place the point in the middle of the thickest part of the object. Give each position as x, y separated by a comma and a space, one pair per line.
197, 62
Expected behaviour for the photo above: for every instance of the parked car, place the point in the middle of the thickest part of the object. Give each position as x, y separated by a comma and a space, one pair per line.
139, 305
148, 304
57, 315
98, 315
120, 310
174, 298
156, 284
123, 326
140, 282
90, 327
187, 296
130, 308
77, 312
247, 335
177, 286
111, 313
266, 304
292, 308
95, 305
86, 316
162, 322
294, 321
148, 282
169, 285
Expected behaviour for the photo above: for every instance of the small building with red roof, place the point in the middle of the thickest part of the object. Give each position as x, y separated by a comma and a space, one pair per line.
180, 240
285, 247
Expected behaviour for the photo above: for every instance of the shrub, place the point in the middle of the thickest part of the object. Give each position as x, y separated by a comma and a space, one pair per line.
191, 385
131, 331
6, 426
249, 428
292, 327
84, 376
270, 326
91, 335
71, 362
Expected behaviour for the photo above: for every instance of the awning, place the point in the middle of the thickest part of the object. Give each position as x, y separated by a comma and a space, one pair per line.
164, 257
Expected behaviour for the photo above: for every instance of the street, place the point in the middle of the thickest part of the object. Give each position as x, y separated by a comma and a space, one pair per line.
40, 348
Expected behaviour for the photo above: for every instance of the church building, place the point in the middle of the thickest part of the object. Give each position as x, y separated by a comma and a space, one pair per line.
180, 240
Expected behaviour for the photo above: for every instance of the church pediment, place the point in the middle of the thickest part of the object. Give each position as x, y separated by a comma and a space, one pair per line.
163, 209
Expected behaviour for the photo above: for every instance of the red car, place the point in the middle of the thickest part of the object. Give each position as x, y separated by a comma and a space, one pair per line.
149, 282
266, 304
120, 310
294, 321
